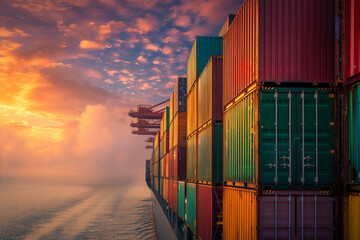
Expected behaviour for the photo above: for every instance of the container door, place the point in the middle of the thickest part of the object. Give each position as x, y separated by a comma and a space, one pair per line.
315, 217
314, 121
276, 217
276, 132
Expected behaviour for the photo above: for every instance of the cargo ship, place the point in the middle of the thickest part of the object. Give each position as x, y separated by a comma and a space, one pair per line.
261, 140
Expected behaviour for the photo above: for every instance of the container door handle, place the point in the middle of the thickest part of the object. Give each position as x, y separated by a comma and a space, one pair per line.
316, 139
289, 178
289, 226
276, 138
303, 136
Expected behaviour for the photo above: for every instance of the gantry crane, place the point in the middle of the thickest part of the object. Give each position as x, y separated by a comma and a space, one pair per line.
147, 118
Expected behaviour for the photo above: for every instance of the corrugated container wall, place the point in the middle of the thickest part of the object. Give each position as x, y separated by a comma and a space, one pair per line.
209, 205
191, 154
294, 144
179, 163
210, 92
171, 107
240, 214
165, 121
204, 47
210, 155
311, 216
178, 130
191, 206
273, 41
353, 133
352, 217
192, 109
180, 95
173, 192
181, 199
352, 41
226, 25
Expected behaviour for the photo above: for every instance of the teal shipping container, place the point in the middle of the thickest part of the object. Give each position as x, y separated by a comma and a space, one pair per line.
210, 92
181, 199
191, 154
191, 206
210, 155
204, 47
280, 137
353, 133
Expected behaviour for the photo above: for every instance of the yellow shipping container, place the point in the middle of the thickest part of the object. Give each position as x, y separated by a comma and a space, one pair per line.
239, 213
352, 217
192, 110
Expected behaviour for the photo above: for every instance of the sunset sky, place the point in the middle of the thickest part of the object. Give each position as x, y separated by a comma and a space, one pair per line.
71, 70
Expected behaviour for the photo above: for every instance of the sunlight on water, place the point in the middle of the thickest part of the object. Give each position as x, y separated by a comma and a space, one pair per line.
43, 211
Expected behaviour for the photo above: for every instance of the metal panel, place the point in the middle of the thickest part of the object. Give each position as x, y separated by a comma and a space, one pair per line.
191, 206
210, 92
239, 126
204, 47
352, 217
240, 209
171, 107
180, 95
179, 134
181, 199
226, 25
353, 133
296, 137
296, 215
352, 41
191, 154
173, 191
279, 41
192, 109
179, 163
209, 206
209, 154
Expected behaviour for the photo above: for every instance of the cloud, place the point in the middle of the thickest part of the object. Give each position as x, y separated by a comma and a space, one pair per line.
142, 59
145, 86
5, 32
167, 50
147, 24
87, 44
183, 21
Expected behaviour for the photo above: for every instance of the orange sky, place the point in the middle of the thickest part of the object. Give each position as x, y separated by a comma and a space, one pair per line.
71, 70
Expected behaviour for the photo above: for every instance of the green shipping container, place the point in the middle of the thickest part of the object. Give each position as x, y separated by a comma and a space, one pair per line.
290, 129
191, 206
181, 199
191, 149
353, 130
210, 154
204, 47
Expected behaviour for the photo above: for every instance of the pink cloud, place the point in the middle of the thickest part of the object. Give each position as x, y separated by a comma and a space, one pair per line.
142, 59
109, 81
147, 24
5, 32
87, 44
167, 50
182, 21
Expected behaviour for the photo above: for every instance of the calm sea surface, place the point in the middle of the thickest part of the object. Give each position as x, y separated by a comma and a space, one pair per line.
50, 211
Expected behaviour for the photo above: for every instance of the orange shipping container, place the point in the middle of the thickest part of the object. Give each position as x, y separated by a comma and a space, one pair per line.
239, 209
192, 110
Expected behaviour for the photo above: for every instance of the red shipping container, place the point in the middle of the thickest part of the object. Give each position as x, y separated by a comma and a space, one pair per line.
173, 185
179, 165
352, 41
279, 41
209, 205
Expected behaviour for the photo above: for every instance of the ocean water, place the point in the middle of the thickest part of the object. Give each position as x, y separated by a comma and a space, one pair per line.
53, 211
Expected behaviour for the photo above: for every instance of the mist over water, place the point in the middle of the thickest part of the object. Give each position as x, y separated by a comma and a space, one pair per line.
53, 211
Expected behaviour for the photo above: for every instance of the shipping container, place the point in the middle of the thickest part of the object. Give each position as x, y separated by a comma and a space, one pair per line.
203, 48
278, 214
210, 155
280, 137
165, 121
226, 25
171, 107
209, 208
209, 103
181, 199
164, 144
352, 217
192, 109
191, 206
239, 213
173, 194
178, 171
353, 133
191, 155
157, 170
180, 95
296, 215
156, 141
156, 184
178, 130
352, 41
276, 41
166, 189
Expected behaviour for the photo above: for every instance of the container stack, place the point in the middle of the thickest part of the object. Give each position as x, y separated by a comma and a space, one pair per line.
278, 108
204, 138
352, 120
164, 155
